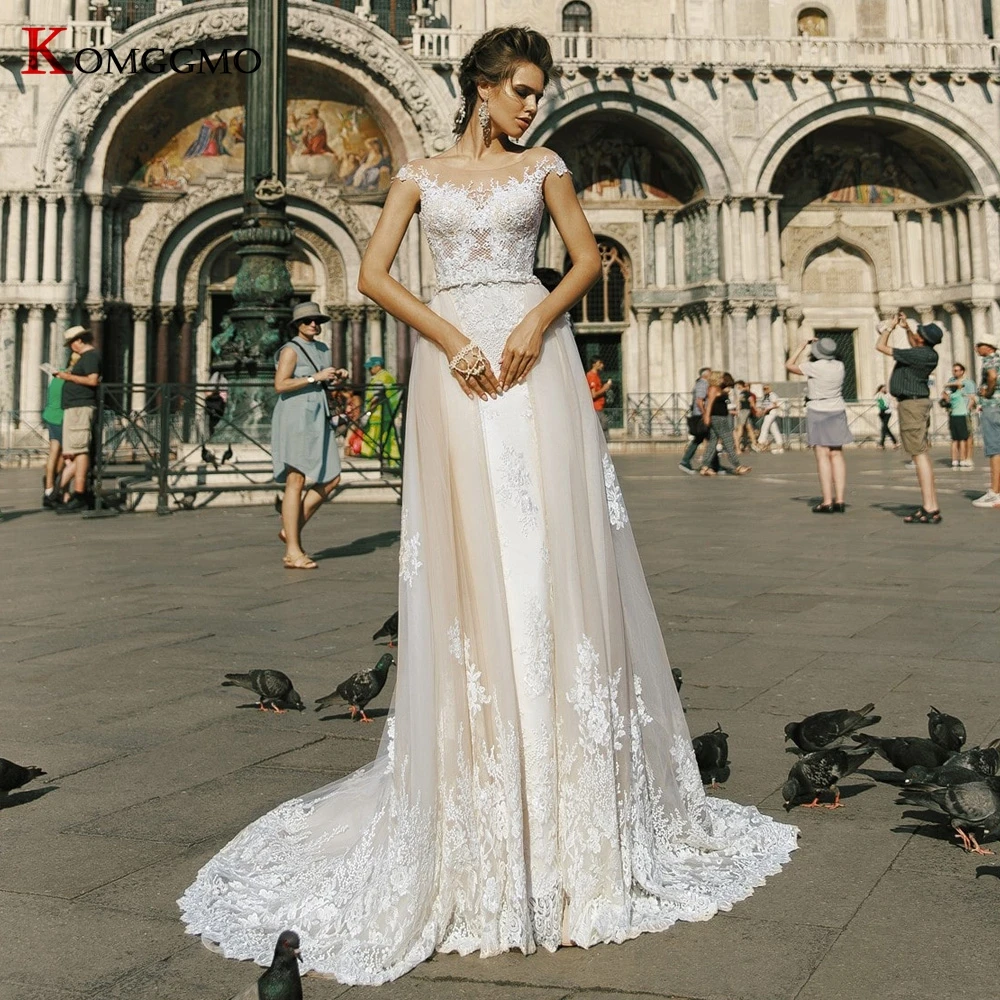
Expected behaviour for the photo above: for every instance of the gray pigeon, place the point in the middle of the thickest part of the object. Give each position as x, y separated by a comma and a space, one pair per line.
816, 732
15, 775
983, 760
711, 751
821, 771
975, 805
360, 688
904, 752
274, 689
945, 730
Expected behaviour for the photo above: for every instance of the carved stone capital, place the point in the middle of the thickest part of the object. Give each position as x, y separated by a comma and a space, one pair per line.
715, 308
356, 314
950, 307
142, 314
95, 200
36, 310
189, 313
166, 311
96, 312
794, 314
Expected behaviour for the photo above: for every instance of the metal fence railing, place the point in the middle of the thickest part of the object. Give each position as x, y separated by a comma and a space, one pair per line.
663, 417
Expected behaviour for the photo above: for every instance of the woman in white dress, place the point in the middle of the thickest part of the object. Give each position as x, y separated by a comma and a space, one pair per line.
535, 785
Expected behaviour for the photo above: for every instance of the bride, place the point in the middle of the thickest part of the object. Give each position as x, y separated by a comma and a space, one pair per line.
535, 784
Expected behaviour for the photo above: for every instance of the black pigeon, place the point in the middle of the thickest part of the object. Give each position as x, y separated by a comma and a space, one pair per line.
945, 730
821, 771
816, 732
711, 750
944, 775
904, 752
227, 454
274, 689
983, 760
390, 629
975, 805
360, 688
678, 678
208, 457
14, 776
282, 981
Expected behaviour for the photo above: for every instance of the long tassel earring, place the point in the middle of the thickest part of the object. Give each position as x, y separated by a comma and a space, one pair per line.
484, 122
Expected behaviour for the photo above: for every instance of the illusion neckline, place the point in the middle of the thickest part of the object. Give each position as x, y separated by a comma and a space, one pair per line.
486, 181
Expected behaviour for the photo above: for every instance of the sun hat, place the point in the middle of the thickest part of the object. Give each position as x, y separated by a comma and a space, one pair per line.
824, 349
307, 310
931, 332
72, 333
375, 360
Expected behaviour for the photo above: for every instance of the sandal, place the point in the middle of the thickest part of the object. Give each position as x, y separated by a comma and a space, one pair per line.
921, 516
299, 562
742, 470
825, 508
706, 471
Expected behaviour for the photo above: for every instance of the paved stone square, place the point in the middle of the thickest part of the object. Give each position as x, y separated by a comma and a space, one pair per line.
115, 634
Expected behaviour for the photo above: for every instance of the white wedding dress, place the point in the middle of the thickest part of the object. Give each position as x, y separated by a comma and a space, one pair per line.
535, 782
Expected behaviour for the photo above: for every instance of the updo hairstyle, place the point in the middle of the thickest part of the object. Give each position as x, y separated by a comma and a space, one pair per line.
493, 59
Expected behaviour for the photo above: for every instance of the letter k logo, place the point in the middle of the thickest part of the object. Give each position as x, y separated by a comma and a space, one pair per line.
37, 48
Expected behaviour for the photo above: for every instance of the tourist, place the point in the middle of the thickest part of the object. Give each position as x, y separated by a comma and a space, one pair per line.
959, 396
303, 442
746, 402
537, 747
769, 407
989, 421
381, 401
79, 403
826, 418
56, 475
720, 424
909, 383
697, 428
599, 391
884, 403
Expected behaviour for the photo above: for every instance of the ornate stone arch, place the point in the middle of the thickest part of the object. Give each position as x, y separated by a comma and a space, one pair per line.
69, 131
801, 244
976, 151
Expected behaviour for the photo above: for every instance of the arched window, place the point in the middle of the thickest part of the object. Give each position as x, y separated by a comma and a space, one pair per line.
813, 23
576, 17
606, 304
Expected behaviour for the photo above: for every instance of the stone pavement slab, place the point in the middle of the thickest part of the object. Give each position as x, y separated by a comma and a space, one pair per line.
115, 635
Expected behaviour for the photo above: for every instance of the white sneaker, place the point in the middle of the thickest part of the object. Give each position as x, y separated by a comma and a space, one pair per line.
955, 465
988, 499
967, 464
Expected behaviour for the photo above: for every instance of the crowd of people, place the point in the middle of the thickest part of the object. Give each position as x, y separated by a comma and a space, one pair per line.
728, 418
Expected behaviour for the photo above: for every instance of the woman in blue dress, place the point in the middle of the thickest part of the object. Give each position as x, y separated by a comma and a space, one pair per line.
303, 444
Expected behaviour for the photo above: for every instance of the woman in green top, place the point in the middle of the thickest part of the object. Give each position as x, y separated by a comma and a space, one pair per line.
52, 416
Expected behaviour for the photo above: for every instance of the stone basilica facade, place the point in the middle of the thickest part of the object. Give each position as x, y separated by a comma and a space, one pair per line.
753, 169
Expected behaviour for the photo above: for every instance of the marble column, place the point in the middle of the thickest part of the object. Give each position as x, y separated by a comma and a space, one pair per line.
714, 217
717, 343
763, 269
14, 240
31, 357
976, 239
8, 351
964, 250
959, 335
668, 351
980, 320
793, 320
97, 316
402, 351
774, 238
50, 243
904, 249
927, 247
67, 266
31, 242
57, 349
950, 246
643, 317
649, 217
739, 355
338, 326
376, 344
778, 355
95, 251
163, 344
764, 346
736, 239
356, 316
188, 315
141, 315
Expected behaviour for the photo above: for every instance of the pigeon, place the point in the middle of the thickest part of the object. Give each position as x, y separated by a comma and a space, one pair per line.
678, 678
816, 732
820, 771
390, 629
711, 750
208, 457
983, 760
360, 688
905, 752
945, 730
14, 776
944, 775
976, 805
274, 689
227, 454
281, 981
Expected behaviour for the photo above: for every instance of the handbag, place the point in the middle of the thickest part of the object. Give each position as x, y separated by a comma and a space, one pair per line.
334, 401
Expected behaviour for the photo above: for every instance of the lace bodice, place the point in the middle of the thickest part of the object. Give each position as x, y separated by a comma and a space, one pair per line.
482, 232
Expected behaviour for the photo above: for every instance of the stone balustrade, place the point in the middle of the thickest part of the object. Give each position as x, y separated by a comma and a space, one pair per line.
79, 35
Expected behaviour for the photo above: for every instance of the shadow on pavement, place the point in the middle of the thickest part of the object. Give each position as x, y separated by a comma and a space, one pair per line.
372, 713
28, 795
13, 515
896, 509
360, 546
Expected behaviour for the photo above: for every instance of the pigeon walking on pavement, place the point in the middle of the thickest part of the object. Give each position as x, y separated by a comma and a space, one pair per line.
821, 771
678, 678
360, 688
711, 751
816, 732
975, 805
274, 689
208, 457
15, 775
945, 730
227, 454
904, 752
282, 981
389, 628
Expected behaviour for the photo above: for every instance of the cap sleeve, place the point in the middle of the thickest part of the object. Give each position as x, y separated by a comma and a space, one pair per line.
408, 172
553, 163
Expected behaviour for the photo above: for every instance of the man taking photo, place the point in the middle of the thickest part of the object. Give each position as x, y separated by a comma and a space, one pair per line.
79, 405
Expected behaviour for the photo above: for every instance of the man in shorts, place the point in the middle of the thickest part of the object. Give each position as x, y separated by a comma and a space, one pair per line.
960, 394
989, 421
79, 402
910, 384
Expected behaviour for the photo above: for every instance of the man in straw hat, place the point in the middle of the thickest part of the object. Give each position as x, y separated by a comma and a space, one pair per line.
79, 401
910, 384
